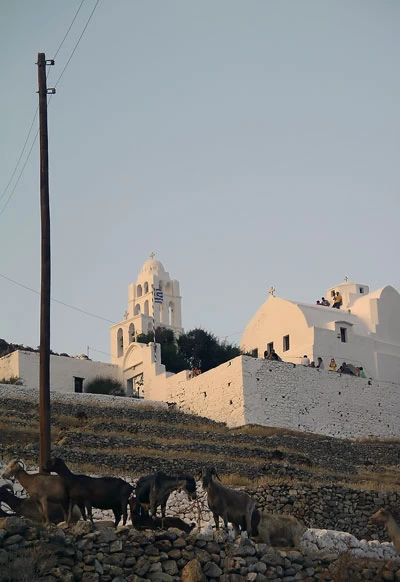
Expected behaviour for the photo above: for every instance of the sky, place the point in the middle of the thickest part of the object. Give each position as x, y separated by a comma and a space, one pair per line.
245, 143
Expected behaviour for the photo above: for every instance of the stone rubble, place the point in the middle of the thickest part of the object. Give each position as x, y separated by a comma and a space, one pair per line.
104, 554
314, 540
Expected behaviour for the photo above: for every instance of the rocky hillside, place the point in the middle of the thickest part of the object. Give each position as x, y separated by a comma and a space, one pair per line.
124, 436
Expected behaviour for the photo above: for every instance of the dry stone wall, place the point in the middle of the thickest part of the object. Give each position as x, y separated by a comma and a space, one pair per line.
81, 553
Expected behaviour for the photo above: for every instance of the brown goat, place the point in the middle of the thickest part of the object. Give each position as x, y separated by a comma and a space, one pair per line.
384, 516
28, 507
233, 506
277, 530
40, 487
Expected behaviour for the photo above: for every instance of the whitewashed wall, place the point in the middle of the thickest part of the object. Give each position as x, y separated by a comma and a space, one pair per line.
323, 402
256, 391
25, 365
216, 394
245, 391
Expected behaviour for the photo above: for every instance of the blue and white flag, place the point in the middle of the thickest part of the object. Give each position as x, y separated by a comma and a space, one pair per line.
158, 296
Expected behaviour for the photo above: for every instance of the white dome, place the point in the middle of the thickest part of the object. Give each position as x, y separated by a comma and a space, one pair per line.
152, 266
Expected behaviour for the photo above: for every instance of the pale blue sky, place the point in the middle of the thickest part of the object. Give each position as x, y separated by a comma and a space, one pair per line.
247, 144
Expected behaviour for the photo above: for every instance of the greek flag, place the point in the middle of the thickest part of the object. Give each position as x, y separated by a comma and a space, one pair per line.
158, 296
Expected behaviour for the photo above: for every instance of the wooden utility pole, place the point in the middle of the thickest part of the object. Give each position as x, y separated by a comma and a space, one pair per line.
45, 438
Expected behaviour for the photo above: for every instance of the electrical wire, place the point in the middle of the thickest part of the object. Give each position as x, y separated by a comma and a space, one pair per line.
37, 108
21, 154
58, 301
70, 26
77, 43
20, 174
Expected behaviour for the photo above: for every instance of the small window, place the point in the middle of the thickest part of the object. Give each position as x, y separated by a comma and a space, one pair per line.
270, 347
254, 353
343, 334
286, 343
333, 293
361, 289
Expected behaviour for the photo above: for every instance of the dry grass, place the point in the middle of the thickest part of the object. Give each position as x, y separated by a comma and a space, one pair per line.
349, 568
267, 431
377, 440
195, 456
31, 564
125, 424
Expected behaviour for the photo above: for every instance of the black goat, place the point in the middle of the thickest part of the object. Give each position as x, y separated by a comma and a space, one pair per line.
232, 506
28, 507
82, 416
154, 490
87, 492
141, 519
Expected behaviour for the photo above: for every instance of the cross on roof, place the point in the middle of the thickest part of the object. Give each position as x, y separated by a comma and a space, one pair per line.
152, 255
126, 315
271, 291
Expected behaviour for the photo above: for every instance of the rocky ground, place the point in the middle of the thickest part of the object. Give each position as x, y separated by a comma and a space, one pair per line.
133, 436
128, 438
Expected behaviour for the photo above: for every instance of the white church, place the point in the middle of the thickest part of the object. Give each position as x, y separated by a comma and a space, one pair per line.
365, 332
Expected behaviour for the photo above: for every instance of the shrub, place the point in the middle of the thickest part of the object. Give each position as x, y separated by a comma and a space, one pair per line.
15, 380
103, 385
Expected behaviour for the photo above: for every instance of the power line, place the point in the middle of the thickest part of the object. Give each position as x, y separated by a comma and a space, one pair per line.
20, 174
37, 108
58, 301
77, 43
70, 26
21, 154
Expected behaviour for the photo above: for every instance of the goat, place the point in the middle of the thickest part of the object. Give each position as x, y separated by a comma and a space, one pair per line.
154, 490
87, 492
276, 530
142, 520
384, 515
28, 507
82, 416
40, 487
232, 506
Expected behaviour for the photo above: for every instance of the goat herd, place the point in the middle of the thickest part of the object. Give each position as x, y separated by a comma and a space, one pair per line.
56, 498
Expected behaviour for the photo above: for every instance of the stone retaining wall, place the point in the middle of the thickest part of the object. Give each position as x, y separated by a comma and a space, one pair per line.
31, 552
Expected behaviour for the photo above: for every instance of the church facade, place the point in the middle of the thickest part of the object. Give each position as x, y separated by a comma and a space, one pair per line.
153, 301
365, 331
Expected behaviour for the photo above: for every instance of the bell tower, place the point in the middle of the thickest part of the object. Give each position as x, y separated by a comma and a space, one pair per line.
154, 295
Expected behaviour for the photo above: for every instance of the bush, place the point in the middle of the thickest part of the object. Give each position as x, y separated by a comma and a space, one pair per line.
14, 380
102, 385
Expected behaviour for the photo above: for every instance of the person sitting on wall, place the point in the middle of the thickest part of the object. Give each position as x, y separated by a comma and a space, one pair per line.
324, 302
266, 355
344, 369
305, 360
332, 365
318, 303
361, 372
337, 301
194, 372
312, 365
320, 364
274, 356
